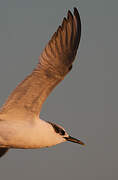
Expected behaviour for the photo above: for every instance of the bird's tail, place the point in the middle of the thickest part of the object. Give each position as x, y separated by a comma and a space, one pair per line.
3, 151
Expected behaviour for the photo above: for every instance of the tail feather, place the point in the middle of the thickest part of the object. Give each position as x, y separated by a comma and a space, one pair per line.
3, 151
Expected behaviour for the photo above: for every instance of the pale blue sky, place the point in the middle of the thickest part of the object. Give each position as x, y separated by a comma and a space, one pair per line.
85, 103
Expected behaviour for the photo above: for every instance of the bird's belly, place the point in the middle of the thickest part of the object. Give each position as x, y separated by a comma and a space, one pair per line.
19, 135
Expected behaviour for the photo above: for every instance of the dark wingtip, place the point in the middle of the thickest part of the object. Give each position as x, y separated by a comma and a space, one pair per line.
69, 15
77, 15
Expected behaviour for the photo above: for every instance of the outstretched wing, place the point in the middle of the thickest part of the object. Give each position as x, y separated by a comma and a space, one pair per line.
54, 63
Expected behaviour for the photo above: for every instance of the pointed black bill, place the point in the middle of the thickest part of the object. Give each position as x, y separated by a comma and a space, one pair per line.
74, 140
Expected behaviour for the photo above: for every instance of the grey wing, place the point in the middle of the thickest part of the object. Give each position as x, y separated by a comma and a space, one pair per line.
54, 63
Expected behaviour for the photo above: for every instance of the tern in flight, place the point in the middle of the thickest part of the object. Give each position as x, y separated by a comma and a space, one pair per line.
20, 125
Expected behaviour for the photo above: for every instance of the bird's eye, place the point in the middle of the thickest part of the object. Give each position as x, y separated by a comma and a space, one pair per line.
62, 132
59, 130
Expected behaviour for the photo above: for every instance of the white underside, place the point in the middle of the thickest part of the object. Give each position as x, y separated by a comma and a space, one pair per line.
25, 134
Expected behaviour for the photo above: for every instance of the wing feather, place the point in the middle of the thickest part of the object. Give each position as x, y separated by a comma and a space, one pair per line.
54, 63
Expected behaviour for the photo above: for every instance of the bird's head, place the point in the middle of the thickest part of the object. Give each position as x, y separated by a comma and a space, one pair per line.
62, 135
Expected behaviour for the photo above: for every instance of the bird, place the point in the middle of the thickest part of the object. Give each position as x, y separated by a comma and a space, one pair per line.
20, 124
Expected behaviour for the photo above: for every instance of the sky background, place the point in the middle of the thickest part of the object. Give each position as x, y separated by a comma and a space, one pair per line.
85, 103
